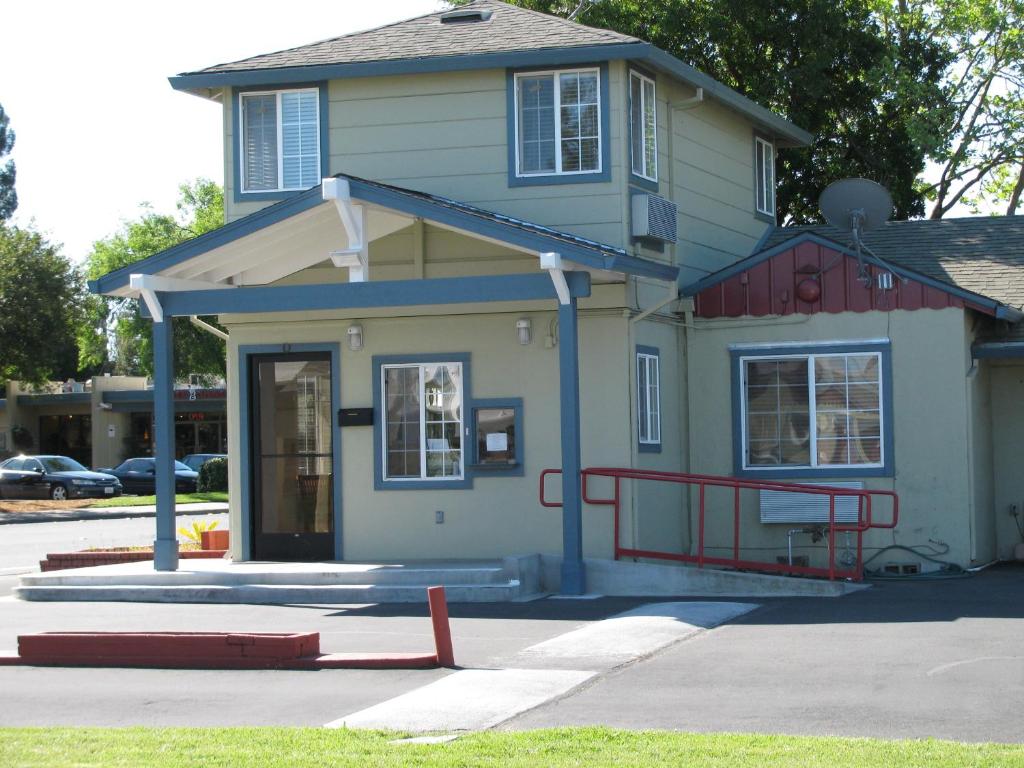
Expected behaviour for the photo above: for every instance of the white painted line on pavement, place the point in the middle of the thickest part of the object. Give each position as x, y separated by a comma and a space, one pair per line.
18, 570
633, 634
470, 699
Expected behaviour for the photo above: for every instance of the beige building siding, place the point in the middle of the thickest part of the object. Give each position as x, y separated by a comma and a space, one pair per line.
710, 176
447, 134
499, 516
1007, 387
930, 423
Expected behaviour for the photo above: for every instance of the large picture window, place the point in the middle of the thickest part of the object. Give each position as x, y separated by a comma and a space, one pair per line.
558, 122
813, 411
643, 125
279, 148
423, 421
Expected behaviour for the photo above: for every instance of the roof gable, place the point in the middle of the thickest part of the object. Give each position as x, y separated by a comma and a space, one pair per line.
980, 254
807, 274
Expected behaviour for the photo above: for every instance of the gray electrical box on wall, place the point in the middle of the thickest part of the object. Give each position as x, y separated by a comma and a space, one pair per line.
653, 218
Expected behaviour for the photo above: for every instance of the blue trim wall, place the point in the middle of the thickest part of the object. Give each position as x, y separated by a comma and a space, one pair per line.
165, 547
640, 51
58, 398
573, 571
383, 293
888, 468
512, 118
379, 483
245, 460
513, 470
236, 102
645, 350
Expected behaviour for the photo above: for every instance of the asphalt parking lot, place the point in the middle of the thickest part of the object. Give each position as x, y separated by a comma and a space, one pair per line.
942, 659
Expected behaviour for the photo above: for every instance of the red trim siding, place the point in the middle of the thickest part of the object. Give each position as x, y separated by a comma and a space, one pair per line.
772, 288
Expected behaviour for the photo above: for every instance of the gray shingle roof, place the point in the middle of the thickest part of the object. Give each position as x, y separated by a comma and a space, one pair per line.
509, 28
983, 254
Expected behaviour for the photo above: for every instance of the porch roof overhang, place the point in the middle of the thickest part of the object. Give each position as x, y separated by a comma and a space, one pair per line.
247, 252
975, 300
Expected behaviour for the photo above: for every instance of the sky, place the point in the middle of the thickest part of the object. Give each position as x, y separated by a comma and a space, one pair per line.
99, 129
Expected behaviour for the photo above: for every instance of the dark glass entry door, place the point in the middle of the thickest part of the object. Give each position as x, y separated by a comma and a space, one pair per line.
290, 424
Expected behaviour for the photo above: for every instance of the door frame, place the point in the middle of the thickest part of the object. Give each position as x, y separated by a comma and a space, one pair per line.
247, 503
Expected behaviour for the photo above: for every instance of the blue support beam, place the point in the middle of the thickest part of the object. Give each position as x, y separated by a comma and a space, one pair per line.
384, 293
165, 548
573, 575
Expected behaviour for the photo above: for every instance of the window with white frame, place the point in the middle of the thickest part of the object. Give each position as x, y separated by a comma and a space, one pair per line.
279, 148
764, 173
813, 411
558, 122
643, 123
648, 398
423, 421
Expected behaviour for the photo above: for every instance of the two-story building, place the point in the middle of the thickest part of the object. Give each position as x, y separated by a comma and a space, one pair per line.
453, 258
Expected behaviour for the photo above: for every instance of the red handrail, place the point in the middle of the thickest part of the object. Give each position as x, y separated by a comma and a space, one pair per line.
865, 519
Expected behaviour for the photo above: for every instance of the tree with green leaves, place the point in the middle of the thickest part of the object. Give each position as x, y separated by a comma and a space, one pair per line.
8, 197
864, 77
982, 158
114, 334
40, 299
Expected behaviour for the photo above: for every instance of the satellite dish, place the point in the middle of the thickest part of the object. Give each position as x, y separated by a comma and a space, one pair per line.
856, 206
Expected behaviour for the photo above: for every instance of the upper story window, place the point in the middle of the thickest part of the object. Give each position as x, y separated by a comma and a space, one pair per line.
764, 176
280, 140
643, 125
558, 122
821, 412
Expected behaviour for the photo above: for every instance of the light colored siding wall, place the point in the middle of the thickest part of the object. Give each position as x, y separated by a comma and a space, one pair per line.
929, 423
1007, 386
499, 516
447, 134
707, 168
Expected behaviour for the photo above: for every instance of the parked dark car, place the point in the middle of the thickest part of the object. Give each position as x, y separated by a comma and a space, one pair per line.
56, 477
195, 461
139, 476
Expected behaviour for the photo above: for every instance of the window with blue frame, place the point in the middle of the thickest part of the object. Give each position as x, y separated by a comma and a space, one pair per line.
423, 421
648, 398
643, 126
558, 122
279, 148
820, 410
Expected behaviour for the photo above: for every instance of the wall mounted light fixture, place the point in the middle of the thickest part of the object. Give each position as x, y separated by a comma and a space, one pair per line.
524, 330
355, 337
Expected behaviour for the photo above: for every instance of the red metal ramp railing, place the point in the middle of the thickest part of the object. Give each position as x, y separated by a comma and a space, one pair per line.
865, 517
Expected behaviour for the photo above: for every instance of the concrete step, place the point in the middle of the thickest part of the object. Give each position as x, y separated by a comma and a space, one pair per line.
335, 576
489, 592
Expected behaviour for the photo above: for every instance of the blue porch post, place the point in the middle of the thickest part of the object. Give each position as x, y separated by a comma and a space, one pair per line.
573, 576
165, 548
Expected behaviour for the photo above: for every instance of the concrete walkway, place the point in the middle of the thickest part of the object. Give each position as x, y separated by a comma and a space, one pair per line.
104, 513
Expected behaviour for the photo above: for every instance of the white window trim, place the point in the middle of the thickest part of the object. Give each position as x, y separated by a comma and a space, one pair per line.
632, 164
653, 424
761, 174
555, 73
280, 139
423, 477
812, 413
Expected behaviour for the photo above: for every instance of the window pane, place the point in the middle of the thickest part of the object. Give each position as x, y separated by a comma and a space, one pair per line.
642, 395
769, 179
442, 392
847, 402
636, 124
402, 403
536, 117
579, 121
650, 131
777, 412
299, 151
259, 141
570, 155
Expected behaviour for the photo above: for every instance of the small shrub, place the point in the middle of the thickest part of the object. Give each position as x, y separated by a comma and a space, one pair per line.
199, 527
213, 476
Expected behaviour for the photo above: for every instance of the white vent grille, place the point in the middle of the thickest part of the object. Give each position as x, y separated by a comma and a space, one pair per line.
791, 507
654, 218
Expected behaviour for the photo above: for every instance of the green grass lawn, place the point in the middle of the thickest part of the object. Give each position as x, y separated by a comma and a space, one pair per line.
583, 747
142, 501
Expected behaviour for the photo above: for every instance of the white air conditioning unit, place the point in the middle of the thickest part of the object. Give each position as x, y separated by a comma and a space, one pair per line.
654, 218
793, 507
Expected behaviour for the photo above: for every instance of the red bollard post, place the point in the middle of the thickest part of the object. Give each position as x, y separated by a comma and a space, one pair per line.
442, 631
